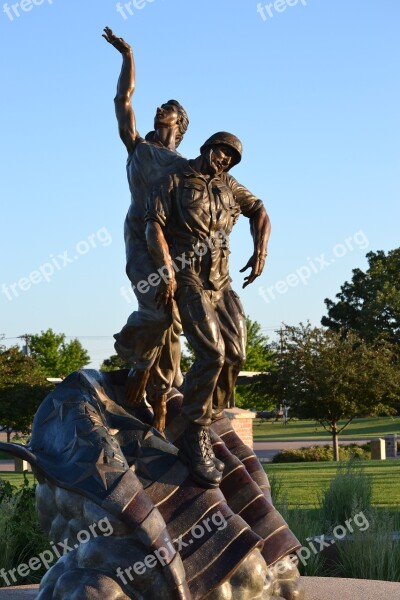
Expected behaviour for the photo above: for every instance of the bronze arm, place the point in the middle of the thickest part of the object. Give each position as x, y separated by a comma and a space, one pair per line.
125, 88
260, 227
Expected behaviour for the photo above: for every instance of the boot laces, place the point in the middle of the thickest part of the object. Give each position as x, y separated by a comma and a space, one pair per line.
205, 444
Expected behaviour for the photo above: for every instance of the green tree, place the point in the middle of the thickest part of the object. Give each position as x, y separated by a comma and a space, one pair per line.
370, 303
259, 358
329, 377
57, 357
23, 386
113, 363
187, 358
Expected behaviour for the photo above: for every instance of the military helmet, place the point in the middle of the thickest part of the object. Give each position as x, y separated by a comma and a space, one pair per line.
227, 139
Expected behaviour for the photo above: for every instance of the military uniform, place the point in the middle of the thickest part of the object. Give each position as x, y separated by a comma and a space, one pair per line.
150, 338
197, 214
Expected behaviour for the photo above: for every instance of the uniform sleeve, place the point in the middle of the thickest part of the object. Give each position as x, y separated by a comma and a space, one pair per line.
159, 203
247, 202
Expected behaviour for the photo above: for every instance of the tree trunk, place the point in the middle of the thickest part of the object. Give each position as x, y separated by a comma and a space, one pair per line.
335, 442
9, 435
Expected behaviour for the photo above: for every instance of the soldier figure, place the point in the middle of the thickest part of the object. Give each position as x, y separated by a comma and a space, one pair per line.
190, 216
149, 341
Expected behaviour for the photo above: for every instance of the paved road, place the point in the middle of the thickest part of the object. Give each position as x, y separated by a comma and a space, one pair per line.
269, 449
266, 450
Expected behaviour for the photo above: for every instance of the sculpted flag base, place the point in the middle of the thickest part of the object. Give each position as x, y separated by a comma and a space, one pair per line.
100, 463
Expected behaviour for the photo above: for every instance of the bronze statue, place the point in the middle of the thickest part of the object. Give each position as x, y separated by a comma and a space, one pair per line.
189, 219
123, 501
150, 339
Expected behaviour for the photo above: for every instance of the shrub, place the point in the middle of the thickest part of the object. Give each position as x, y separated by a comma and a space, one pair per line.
20, 533
372, 554
349, 493
303, 523
323, 454
369, 554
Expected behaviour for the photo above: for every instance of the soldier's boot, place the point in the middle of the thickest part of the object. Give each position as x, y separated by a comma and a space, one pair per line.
135, 386
159, 405
219, 465
195, 453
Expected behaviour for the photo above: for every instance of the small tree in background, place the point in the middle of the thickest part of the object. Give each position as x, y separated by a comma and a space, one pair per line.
57, 357
259, 358
328, 377
22, 388
114, 363
370, 303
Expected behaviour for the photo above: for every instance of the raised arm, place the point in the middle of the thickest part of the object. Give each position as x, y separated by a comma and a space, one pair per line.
126, 87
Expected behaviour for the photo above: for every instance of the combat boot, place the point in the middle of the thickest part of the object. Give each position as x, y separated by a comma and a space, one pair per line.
219, 465
195, 453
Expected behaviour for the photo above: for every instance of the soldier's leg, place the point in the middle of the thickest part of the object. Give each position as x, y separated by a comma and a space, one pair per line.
140, 340
200, 325
232, 323
165, 372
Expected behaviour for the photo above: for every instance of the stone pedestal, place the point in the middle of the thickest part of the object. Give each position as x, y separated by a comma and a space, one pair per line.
391, 445
378, 449
317, 588
242, 423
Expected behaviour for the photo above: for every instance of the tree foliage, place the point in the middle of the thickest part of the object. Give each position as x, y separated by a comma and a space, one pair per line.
114, 363
326, 376
57, 357
370, 303
259, 356
22, 387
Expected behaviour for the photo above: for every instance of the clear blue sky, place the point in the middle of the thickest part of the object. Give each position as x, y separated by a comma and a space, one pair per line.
312, 90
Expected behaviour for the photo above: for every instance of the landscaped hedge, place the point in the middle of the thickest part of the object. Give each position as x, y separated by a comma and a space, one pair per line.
323, 454
20, 533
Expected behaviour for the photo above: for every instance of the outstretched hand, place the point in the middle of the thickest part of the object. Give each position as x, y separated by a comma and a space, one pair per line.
118, 43
256, 264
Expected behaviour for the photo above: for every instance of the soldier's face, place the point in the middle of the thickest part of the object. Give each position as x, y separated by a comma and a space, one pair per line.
219, 159
166, 116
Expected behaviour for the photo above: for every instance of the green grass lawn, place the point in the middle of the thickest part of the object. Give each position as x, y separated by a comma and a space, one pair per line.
302, 483
15, 478
304, 430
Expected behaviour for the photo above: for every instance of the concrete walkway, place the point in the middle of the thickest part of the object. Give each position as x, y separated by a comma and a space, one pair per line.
265, 450
329, 588
317, 588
